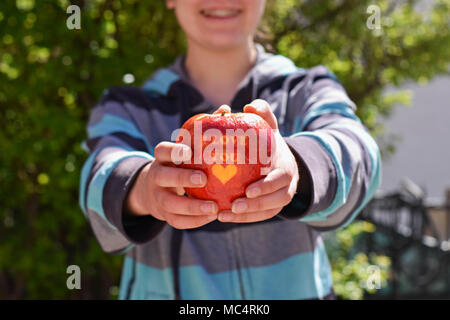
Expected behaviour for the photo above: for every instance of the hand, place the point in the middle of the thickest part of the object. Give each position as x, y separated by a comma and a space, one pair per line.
266, 197
159, 189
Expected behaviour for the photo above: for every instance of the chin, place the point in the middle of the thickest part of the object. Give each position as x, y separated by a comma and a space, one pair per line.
224, 42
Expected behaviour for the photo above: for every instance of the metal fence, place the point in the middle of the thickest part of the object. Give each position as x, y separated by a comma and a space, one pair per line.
417, 243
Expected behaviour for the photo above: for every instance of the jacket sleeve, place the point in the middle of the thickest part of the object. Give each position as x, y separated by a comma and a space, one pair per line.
338, 160
118, 149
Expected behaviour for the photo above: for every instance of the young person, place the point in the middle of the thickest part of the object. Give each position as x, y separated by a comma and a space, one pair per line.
268, 246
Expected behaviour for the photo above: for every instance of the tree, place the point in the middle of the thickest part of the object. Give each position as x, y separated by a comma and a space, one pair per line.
50, 77
412, 44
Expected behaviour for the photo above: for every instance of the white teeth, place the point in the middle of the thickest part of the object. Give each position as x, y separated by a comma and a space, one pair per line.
220, 13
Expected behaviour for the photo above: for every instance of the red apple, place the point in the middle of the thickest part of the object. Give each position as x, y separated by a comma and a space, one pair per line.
233, 149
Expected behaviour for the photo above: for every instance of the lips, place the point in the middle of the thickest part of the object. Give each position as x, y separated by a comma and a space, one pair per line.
220, 13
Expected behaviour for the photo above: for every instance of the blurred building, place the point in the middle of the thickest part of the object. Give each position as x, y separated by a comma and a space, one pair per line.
411, 210
422, 151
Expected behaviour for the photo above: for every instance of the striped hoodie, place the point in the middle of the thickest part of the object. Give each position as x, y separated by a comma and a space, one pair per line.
280, 258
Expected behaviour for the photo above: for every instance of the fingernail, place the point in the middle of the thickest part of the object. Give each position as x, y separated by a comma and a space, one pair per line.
258, 104
208, 207
197, 178
253, 192
225, 217
239, 206
258, 107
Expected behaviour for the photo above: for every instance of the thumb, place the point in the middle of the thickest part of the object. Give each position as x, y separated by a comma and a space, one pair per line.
262, 109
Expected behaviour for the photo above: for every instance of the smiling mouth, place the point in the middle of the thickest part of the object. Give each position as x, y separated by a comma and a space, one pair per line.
220, 13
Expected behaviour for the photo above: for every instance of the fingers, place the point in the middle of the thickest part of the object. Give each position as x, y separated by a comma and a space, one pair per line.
185, 213
188, 222
223, 109
172, 152
276, 199
165, 176
229, 216
262, 108
274, 181
266, 198
180, 205
178, 190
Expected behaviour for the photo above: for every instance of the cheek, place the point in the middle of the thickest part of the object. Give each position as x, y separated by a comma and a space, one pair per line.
255, 10
186, 14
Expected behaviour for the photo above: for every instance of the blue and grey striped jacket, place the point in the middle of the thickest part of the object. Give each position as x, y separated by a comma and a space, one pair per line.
281, 258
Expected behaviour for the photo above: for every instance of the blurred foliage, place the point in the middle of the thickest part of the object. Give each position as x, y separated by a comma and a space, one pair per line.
413, 44
352, 271
51, 76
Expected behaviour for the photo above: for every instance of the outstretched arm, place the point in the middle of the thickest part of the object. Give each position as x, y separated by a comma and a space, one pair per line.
325, 171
